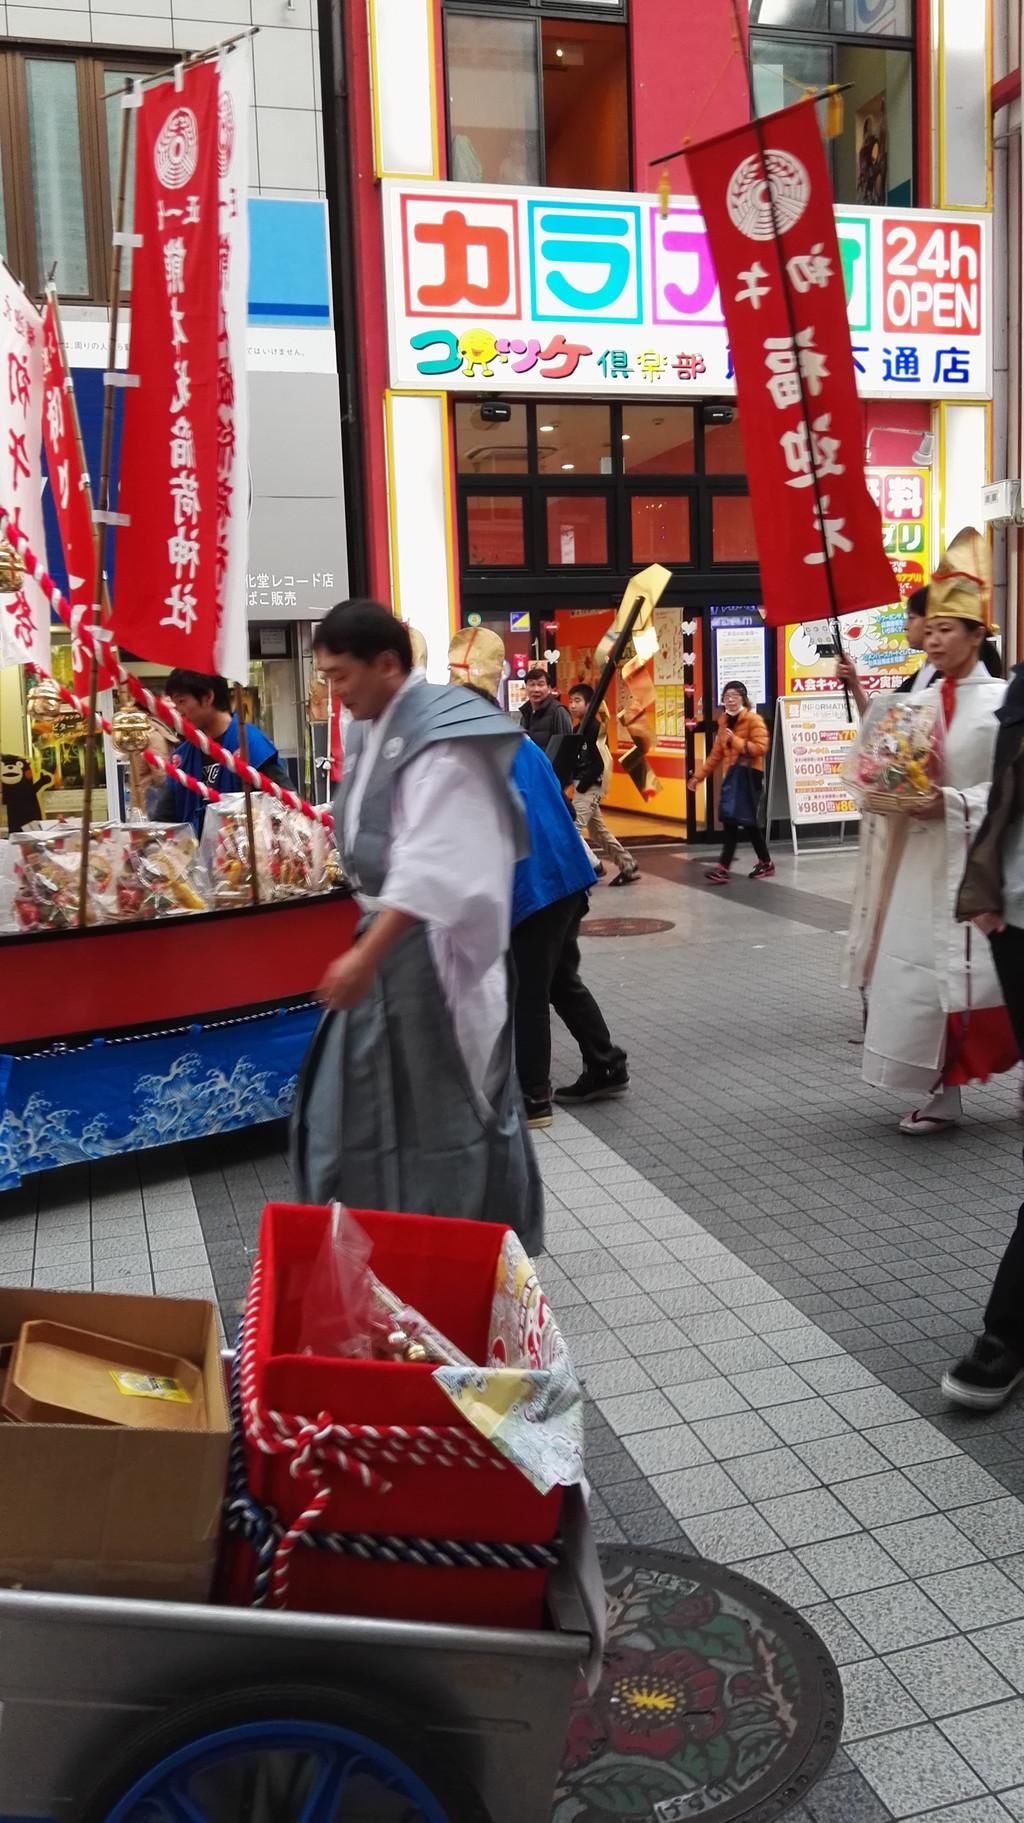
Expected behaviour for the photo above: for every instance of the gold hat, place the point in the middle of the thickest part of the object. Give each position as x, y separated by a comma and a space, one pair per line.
961, 586
476, 655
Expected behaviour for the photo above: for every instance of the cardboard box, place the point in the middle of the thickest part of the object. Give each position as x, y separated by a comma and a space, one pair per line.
99, 1510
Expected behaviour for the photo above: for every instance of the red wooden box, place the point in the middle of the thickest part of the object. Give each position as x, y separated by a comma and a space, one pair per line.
446, 1270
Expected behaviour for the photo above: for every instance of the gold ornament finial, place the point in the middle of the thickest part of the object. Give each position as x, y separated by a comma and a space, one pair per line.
12, 569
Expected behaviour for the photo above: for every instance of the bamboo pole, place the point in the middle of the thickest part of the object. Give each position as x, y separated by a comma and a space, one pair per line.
102, 507
243, 751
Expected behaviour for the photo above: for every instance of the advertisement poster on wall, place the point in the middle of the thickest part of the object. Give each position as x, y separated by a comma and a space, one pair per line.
875, 640
739, 645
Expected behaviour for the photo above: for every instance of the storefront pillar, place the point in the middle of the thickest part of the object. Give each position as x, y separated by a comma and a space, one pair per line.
423, 572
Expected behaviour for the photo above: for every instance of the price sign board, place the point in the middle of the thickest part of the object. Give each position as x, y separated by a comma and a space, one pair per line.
813, 738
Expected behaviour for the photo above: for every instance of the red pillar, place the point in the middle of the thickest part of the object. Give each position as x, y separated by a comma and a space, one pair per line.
688, 80
368, 254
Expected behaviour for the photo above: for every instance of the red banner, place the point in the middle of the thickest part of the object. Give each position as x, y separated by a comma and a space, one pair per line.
166, 602
69, 486
799, 410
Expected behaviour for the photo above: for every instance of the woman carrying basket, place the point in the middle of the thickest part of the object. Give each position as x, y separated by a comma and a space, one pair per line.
740, 748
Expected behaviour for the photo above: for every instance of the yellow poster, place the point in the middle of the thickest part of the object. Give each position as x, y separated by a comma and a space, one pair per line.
874, 640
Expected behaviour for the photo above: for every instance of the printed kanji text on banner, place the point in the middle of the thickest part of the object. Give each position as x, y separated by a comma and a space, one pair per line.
819, 532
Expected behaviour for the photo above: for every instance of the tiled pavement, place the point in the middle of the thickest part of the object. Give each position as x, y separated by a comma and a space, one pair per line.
761, 1282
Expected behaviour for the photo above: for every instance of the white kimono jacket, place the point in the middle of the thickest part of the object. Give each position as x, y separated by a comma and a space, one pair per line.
905, 943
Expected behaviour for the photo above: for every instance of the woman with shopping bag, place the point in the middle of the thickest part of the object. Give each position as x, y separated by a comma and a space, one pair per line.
740, 748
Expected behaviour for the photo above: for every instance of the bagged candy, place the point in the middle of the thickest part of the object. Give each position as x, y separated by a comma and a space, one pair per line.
155, 873
224, 852
296, 850
47, 867
897, 758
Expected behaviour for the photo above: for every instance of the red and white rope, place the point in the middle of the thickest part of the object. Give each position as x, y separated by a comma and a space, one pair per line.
156, 706
173, 771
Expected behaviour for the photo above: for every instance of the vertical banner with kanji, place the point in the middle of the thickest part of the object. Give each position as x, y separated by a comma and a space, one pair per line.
235, 71
24, 612
72, 498
166, 604
766, 198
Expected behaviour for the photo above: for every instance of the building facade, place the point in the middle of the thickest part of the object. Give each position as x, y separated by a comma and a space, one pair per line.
61, 72
547, 399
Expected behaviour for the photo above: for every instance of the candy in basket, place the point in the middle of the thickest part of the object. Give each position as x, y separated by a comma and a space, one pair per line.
155, 874
897, 758
224, 852
296, 850
48, 865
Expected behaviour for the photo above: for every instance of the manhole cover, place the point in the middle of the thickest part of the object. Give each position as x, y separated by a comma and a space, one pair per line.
716, 1700
624, 927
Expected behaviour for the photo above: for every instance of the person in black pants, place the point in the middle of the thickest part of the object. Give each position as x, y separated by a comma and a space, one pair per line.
992, 897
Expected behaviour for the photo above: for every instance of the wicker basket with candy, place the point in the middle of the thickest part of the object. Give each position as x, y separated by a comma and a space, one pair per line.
897, 760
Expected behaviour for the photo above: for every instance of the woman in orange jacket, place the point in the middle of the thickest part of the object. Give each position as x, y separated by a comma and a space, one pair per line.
740, 748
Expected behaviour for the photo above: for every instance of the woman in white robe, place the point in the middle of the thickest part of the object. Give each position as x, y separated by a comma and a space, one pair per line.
935, 1012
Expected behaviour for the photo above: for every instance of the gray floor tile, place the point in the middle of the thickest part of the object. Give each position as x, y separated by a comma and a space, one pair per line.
882, 1500
630, 1412
914, 1770
1004, 1646
675, 1447
770, 1472
996, 1526
606, 1378
785, 1576
804, 1422
769, 1386
704, 1398
808, 1343
731, 1536
841, 1458
806, 1518
992, 1742
841, 1375
896, 1617
1014, 1802
775, 1314
740, 1356
948, 1676
871, 1406
698, 1490
839, 1634
702, 1327
979, 1596
848, 1799
665, 1338
927, 1545
736, 1434
875, 1701
844, 1566
955, 1483
912, 1442
976, 1810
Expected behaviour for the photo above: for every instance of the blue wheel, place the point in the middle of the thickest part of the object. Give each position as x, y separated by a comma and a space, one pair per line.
281, 1756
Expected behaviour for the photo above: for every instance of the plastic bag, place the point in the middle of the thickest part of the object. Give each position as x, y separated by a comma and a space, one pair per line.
346, 1310
155, 873
48, 863
897, 757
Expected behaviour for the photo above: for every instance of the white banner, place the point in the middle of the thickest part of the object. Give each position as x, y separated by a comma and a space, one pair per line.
235, 72
24, 615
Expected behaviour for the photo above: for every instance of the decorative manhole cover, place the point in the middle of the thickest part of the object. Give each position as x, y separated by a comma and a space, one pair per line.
716, 1700
624, 927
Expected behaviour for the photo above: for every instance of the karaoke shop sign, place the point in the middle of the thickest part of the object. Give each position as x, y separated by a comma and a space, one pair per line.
551, 291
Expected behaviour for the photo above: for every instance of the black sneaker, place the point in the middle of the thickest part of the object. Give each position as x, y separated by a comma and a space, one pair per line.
538, 1113
986, 1377
595, 1085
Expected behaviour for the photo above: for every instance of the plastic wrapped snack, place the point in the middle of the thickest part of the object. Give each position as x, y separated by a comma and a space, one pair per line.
224, 852
155, 876
897, 759
296, 850
48, 864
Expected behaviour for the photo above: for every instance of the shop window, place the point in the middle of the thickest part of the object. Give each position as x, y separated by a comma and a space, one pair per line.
577, 528
874, 155
660, 528
493, 100
58, 158
495, 536
872, 159
723, 448
482, 448
805, 15
574, 439
732, 530
871, 18
586, 118
657, 441
534, 100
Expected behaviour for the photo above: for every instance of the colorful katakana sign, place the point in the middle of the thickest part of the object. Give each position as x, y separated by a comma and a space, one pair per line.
513, 290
